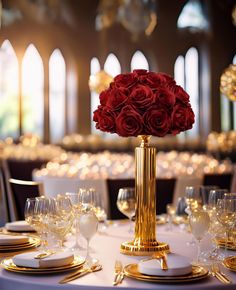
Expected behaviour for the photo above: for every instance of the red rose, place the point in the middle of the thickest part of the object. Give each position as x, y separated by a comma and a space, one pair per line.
125, 80
129, 122
157, 121
182, 118
116, 98
180, 94
105, 119
165, 97
154, 80
141, 97
140, 72
103, 97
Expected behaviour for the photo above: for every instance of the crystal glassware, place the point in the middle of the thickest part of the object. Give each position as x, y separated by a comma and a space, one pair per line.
126, 201
88, 224
199, 222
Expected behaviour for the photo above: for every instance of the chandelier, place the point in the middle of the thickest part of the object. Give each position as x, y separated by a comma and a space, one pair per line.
99, 81
137, 16
228, 82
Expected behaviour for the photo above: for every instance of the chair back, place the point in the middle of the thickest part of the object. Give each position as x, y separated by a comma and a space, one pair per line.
4, 213
113, 186
222, 180
20, 190
164, 193
22, 169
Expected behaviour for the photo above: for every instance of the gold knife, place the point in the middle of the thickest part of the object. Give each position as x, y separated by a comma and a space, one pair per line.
80, 273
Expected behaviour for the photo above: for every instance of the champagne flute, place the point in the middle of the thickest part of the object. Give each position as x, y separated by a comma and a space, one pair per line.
226, 214
193, 201
126, 201
99, 210
76, 205
216, 227
87, 198
199, 221
88, 224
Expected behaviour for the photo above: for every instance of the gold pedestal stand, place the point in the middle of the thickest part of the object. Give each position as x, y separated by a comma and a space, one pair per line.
145, 242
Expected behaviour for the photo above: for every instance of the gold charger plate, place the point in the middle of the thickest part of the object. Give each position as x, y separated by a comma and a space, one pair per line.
230, 245
8, 265
197, 273
230, 263
32, 243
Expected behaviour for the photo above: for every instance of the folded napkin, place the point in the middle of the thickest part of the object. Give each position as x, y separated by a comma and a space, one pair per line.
55, 260
177, 265
19, 226
7, 240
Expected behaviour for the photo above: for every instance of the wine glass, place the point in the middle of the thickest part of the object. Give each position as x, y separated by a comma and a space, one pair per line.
32, 217
171, 211
60, 218
199, 222
205, 192
76, 205
126, 201
88, 224
226, 215
194, 201
216, 227
87, 198
99, 210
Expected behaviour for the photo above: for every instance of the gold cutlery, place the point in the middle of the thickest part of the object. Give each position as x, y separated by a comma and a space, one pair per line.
44, 255
220, 275
119, 274
81, 272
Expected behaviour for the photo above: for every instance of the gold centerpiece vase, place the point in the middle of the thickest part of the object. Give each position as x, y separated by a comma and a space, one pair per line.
144, 242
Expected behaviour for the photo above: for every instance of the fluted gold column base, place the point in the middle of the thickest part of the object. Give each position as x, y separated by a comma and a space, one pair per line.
129, 248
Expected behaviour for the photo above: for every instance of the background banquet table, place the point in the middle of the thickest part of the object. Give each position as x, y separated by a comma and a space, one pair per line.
105, 247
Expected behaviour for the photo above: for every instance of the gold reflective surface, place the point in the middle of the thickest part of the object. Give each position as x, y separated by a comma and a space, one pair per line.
8, 265
197, 273
32, 243
230, 263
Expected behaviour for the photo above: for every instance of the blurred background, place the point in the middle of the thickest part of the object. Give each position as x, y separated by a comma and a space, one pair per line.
56, 56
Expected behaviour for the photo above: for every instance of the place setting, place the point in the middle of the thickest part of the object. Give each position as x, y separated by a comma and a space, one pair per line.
53, 219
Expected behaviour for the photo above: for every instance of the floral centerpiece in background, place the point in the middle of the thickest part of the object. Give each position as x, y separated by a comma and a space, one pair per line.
143, 103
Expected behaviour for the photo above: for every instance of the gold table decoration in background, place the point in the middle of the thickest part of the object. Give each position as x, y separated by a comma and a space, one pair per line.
145, 242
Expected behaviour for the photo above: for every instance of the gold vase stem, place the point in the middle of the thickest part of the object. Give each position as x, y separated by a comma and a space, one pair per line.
145, 242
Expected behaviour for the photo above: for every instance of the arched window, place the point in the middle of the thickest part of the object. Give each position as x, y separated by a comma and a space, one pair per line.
94, 69
57, 81
32, 92
9, 91
192, 86
186, 72
112, 65
139, 61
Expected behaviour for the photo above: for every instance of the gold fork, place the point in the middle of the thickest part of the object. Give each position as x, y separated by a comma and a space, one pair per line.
220, 275
118, 272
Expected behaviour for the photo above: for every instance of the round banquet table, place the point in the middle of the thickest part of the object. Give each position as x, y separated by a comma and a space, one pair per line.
105, 246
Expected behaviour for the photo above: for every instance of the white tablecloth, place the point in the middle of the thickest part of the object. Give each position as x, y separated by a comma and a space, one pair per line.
105, 247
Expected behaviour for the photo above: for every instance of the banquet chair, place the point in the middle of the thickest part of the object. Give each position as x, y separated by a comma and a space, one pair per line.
19, 191
21, 168
222, 180
4, 213
164, 193
113, 186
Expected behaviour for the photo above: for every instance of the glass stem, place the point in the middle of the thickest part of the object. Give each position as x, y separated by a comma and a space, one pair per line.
87, 250
227, 241
198, 251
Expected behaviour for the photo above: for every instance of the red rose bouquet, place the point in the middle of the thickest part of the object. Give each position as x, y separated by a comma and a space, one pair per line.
144, 103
